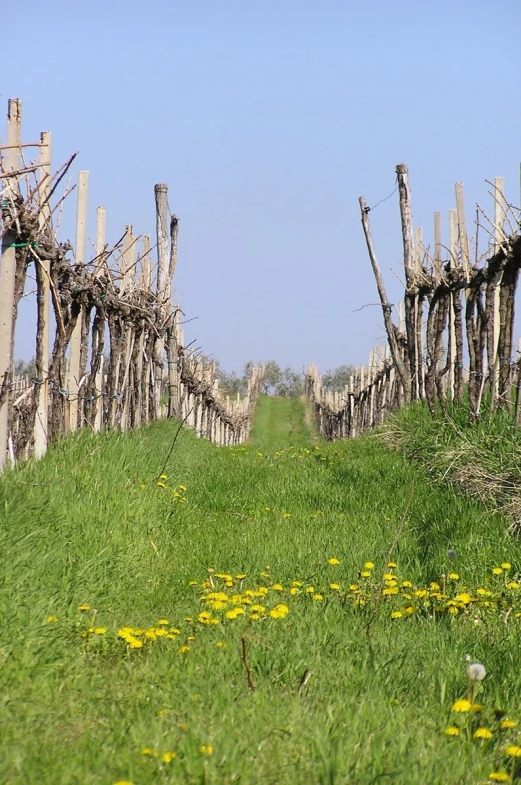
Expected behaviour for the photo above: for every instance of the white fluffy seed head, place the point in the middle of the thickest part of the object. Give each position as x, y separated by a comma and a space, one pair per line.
476, 671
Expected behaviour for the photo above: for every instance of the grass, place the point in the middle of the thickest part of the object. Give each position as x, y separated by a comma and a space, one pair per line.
480, 458
89, 526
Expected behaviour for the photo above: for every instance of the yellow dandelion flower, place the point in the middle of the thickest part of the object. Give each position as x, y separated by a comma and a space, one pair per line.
277, 587
507, 724
168, 756
333, 560
194, 583
482, 733
433, 586
293, 591
220, 644
149, 752
506, 565
513, 751
405, 585
368, 565
365, 574
464, 597
52, 619
100, 630
134, 643
234, 613
462, 705
513, 585
334, 586
296, 583
497, 571
392, 565
453, 576
318, 597
257, 608
184, 649
123, 782
396, 615
499, 776
84, 607
310, 589
279, 611
163, 621
254, 616
206, 749
451, 731
161, 484
390, 590
408, 610
182, 487
241, 576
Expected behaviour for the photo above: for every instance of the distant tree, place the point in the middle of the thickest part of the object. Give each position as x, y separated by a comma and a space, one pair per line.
291, 384
25, 367
272, 377
336, 379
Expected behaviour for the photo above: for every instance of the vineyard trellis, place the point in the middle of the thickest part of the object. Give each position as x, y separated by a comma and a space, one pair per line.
117, 358
454, 340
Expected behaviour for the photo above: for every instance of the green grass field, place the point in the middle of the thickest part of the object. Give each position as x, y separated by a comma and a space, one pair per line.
223, 624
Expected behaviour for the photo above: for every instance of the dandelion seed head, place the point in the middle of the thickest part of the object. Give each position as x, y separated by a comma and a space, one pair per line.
476, 671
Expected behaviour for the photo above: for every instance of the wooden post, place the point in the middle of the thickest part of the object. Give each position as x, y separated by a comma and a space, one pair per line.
462, 227
7, 274
451, 343
499, 219
163, 261
410, 297
73, 384
101, 244
42, 279
386, 305
128, 259
101, 241
437, 249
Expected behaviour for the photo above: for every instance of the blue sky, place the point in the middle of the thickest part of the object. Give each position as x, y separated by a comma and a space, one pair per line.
268, 121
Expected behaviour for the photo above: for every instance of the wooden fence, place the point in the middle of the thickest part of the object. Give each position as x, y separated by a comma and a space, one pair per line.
111, 352
453, 340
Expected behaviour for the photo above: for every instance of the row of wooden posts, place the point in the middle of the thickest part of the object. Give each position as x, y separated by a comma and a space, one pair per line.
451, 339
110, 353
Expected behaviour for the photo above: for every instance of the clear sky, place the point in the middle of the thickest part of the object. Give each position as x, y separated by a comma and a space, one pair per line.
268, 120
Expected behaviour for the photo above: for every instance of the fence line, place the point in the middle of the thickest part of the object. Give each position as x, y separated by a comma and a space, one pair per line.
454, 340
116, 358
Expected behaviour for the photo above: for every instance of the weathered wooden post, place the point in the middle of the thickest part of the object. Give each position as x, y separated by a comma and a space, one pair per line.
411, 296
7, 271
73, 382
42, 270
162, 293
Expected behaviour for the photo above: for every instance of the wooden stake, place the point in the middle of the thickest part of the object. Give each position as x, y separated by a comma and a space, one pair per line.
101, 239
73, 381
43, 278
386, 306
7, 277
462, 227
437, 248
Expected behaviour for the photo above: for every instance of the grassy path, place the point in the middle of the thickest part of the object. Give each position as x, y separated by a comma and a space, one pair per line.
280, 423
138, 613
